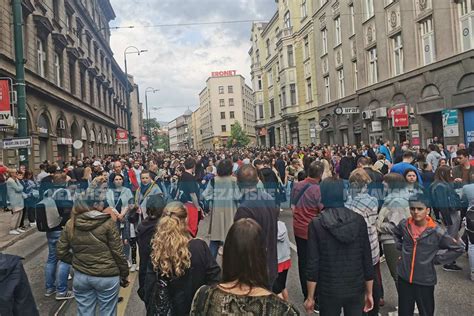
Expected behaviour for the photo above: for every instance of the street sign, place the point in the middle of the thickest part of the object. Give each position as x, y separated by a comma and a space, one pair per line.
400, 120
450, 123
324, 123
376, 126
16, 143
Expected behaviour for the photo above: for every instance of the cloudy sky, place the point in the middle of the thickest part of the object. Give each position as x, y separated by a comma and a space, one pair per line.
181, 58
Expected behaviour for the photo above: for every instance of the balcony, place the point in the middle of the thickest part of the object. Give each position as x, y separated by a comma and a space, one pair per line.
284, 33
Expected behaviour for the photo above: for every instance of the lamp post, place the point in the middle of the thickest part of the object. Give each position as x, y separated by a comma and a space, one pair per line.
147, 114
129, 113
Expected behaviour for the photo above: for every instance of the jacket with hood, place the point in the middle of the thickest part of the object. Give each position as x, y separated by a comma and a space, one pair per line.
283, 243
394, 209
145, 232
16, 298
96, 245
339, 255
416, 265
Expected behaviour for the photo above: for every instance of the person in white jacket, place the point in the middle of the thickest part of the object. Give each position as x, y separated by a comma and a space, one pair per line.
284, 261
17, 203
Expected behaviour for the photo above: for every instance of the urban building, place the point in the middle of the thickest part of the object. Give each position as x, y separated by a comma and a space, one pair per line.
283, 76
389, 69
399, 66
225, 100
75, 89
181, 132
196, 123
136, 107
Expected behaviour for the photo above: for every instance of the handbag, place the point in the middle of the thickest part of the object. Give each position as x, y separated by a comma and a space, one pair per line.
160, 304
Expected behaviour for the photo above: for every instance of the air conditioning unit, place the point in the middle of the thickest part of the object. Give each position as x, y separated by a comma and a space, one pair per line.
381, 112
62, 124
367, 115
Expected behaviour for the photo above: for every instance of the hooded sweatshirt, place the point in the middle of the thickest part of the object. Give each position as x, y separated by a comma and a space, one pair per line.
339, 255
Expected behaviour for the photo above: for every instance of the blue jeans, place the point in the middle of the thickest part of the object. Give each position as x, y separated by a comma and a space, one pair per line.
471, 259
214, 247
53, 269
91, 290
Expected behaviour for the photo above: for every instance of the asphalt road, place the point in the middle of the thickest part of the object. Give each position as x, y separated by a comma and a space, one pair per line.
454, 293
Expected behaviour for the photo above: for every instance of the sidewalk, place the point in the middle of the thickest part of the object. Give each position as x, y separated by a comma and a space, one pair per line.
7, 240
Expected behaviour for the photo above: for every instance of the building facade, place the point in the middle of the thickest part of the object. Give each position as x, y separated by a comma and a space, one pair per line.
401, 63
75, 89
283, 76
181, 132
388, 69
225, 100
136, 107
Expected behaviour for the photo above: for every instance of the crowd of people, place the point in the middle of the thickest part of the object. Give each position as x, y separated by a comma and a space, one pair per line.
353, 208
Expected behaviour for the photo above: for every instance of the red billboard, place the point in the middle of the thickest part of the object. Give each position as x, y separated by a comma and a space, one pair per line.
5, 110
122, 136
399, 109
400, 120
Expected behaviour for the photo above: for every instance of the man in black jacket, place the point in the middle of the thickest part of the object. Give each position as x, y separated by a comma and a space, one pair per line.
339, 258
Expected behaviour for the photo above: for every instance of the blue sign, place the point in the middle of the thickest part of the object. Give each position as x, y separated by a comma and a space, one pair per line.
469, 125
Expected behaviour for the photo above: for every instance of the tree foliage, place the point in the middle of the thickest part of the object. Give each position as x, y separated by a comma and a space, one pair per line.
238, 137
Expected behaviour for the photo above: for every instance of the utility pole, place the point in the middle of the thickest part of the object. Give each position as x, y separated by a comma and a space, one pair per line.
20, 76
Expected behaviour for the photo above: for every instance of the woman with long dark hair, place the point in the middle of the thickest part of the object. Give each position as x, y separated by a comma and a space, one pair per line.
243, 289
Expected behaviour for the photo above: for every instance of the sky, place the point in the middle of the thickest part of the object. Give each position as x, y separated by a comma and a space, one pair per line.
181, 58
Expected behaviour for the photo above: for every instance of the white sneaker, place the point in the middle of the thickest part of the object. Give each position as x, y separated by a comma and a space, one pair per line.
133, 268
33, 224
14, 232
20, 230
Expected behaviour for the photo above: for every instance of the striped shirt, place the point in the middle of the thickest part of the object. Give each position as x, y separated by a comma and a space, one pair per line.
367, 206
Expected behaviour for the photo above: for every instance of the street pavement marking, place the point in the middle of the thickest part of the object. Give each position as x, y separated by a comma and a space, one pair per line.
293, 246
125, 293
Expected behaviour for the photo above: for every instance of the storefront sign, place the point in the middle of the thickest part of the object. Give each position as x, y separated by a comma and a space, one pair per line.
400, 120
15, 143
122, 136
226, 73
5, 110
64, 141
415, 134
469, 125
376, 126
346, 111
450, 123
324, 123
399, 109
415, 141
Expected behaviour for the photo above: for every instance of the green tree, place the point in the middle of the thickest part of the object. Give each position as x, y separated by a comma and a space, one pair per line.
157, 140
238, 137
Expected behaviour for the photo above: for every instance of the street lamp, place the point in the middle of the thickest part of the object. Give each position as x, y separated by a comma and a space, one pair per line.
147, 114
129, 113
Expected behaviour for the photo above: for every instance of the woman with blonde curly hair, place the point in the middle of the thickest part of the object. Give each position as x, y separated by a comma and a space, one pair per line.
179, 265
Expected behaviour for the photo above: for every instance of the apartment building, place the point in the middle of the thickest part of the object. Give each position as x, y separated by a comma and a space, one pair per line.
75, 88
405, 65
283, 76
225, 100
181, 132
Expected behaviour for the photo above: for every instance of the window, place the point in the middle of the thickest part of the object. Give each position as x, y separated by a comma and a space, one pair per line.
41, 58
373, 71
309, 90
283, 96
304, 9
79, 34
291, 62
56, 10
287, 20
221, 89
268, 47
232, 114
83, 84
324, 37
306, 47
270, 78
272, 108
427, 41
89, 47
293, 93
337, 27
397, 55
231, 102
222, 115
354, 74
368, 8
341, 90
221, 102
91, 91
58, 71
466, 20
72, 76
327, 90
259, 82
260, 111
223, 128
69, 23
352, 17
230, 89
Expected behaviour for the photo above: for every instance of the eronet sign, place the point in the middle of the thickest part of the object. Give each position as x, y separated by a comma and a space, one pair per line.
225, 73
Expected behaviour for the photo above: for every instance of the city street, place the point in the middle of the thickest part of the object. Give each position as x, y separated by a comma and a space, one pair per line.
453, 292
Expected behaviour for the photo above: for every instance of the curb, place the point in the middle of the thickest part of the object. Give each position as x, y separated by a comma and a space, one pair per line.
17, 239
